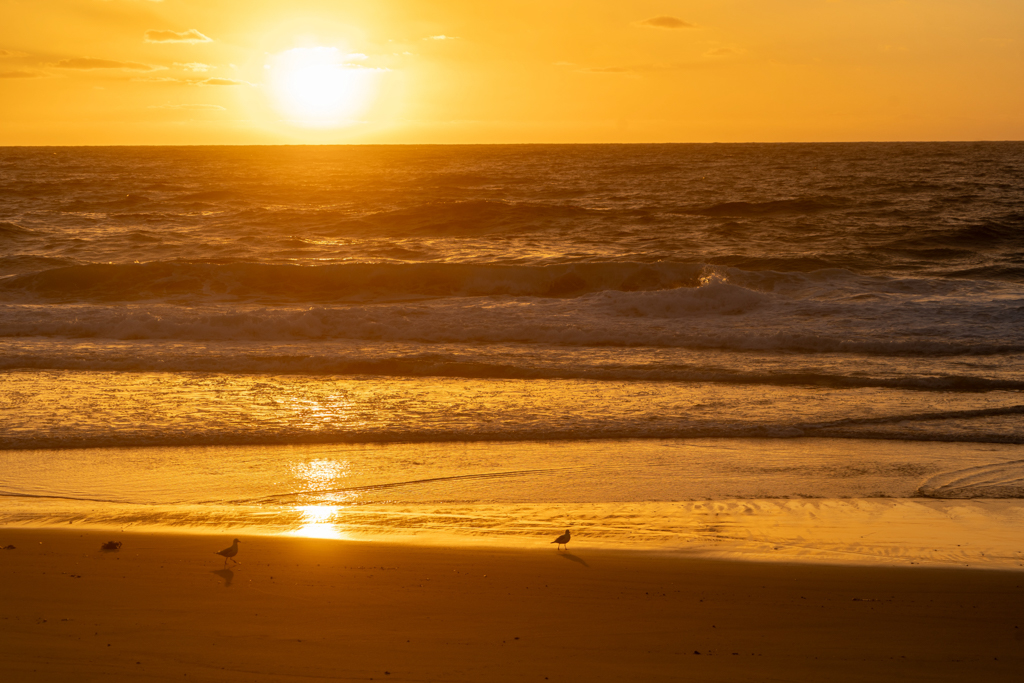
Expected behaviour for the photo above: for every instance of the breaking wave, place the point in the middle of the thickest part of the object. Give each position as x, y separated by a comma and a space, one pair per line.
614, 319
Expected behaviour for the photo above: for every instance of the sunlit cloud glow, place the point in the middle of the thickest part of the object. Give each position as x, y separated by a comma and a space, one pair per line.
171, 80
194, 66
189, 36
222, 81
195, 107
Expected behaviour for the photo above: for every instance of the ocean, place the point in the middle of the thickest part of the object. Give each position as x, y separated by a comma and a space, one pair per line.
501, 341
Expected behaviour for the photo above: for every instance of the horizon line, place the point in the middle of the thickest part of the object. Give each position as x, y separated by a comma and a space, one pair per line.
523, 144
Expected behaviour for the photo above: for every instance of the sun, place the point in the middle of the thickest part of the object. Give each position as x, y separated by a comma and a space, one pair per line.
321, 86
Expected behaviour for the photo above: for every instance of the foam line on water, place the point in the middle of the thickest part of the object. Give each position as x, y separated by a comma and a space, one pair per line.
281, 497
995, 480
457, 366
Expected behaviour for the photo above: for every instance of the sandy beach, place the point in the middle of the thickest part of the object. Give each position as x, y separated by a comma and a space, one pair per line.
163, 607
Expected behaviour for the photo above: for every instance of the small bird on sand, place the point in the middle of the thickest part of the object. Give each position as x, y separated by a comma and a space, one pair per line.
229, 553
563, 539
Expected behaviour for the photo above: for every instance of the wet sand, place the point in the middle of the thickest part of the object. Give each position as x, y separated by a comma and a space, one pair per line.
163, 608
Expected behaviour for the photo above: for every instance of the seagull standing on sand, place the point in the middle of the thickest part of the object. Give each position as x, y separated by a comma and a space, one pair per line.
563, 540
229, 553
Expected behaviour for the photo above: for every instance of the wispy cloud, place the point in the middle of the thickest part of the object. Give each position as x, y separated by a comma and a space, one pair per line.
194, 66
666, 22
441, 37
661, 67
222, 81
12, 53
192, 107
161, 79
615, 69
88, 64
628, 69
189, 36
723, 52
172, 80
21, 74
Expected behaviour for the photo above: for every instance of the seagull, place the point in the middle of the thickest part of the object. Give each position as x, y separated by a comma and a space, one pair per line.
229, 553
563, 539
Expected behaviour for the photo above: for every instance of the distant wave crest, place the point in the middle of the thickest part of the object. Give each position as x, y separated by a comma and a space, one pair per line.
800, 205
251, 281
472, 217
9, 229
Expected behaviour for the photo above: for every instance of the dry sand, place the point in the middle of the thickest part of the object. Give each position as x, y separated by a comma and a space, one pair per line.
162, 608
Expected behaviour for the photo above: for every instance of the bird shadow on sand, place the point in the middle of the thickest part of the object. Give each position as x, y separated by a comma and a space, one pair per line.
225, 574
574, 558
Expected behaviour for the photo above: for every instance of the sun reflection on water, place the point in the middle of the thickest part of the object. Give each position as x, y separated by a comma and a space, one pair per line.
321, 474
333, 411
320, 480
318, 522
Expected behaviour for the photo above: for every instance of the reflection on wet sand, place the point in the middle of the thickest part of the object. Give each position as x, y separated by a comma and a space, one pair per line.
879, 530
225, 574
318, 521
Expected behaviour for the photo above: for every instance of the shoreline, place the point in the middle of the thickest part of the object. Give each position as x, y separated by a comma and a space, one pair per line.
978, 533
163, 607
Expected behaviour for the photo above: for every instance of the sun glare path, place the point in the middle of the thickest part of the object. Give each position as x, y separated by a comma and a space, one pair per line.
318, 522
320, 86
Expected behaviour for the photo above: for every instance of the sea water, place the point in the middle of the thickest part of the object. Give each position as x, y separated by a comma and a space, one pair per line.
264, 336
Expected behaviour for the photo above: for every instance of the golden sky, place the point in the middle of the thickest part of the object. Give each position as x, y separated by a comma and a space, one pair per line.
78, 72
